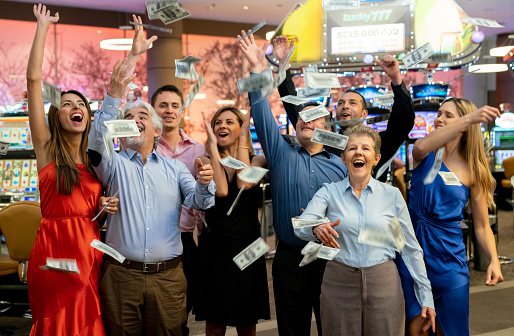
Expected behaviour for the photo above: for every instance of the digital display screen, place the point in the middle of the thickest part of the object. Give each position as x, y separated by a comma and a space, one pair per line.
423, 124
501, 155
370, 91
379, 126
421, 91
33, 198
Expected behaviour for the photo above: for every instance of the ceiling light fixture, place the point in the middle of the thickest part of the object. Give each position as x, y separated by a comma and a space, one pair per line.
487, 68
502, 50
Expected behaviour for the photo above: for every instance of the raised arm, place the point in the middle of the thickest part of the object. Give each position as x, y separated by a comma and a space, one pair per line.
139, 44
38, 128
442, 135
282, 49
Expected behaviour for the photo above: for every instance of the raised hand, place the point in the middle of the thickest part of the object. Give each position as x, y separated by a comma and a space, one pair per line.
391, 67
282, 48
139, 43
326, 233
252, 52
44, 19
211, 144
119, 80
205, 172
244, 132
484, 114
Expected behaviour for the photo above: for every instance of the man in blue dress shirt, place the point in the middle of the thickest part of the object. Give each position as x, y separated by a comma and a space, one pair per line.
146, 294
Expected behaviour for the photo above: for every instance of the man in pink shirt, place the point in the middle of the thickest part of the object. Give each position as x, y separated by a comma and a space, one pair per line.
174, 143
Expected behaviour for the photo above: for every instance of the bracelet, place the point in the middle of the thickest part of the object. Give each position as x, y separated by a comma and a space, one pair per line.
244, 147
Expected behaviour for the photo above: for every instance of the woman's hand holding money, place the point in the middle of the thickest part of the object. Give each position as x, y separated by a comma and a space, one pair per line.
326, 233
253, 53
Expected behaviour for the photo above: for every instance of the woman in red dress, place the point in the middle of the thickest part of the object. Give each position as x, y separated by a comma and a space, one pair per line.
63, 303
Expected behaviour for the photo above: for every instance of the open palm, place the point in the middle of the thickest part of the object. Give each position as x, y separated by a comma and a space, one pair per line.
43, 15
253, 53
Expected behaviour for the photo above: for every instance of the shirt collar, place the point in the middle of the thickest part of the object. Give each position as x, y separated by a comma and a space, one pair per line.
131, 153
372, 184
181, 145
323, 152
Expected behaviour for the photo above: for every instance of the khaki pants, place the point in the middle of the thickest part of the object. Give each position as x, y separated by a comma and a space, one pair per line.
137, 303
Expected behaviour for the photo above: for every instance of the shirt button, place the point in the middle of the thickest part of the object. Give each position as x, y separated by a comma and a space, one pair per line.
148, 207
146, 251
312, 187
147, 229
110, 105
312, 171
146, 187
144, 168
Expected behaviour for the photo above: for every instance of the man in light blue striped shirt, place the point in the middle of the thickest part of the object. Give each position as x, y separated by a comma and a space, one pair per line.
146, 293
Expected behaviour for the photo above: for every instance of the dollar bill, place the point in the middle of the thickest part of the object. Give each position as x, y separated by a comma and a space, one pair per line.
171, 13
104, 207
440, 58
305, 70
148, 26
450, 178
236, 200
279, 78
196, 88
418, 55
291, 139
252, 174
122, 128
52, 94
254, 29
482, 22
329, 138
322, 80
255, 82
310, 257
310, 93
386, 99
294, 100
344, 123
4, 147
311, 246
313, 113
108, 250
229, 161
378, 238
328, 253
204, 221
397, 232
340, 4
377, 119
301, 223
61, 265
154, 6
250, 254
463, 75
185, 70
435, 168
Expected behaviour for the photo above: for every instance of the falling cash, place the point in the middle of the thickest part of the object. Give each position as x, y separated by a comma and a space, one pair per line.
185, 69
386, 165
377, 119
313, 93
252, 174
236, 200
344, 123
229, 161
52, 94
253, 30
329, 138
397, 232
301, 223
171, 13
105, 207
450, 178
108, 250
378, 238
279, 78
153, 6
435, 168
166, 30
294, 100
132, 86
313, 113
189, 99
311, 69
250, 254
291, 139
204, 221
322, 80
418, 55
61, 265
311, 246
327, 253
310, 257
440, 58
122, 128
254, 82
482, 22
463, 75
386, 99
4, 147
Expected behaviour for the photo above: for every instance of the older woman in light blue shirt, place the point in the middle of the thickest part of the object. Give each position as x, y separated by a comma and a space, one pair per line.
361, 292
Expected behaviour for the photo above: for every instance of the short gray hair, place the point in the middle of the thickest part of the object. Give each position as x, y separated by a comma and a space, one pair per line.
365, 130
156, 120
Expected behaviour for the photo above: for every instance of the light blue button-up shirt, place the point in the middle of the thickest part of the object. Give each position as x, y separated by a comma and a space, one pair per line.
146, 226
378, 205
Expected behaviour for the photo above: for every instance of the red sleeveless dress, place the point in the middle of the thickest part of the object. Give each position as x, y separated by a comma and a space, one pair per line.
66, 303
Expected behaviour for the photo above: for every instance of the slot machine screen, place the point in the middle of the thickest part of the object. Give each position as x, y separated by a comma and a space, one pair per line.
423, 124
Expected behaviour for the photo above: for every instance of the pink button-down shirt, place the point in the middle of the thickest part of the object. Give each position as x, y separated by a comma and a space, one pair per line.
186, 151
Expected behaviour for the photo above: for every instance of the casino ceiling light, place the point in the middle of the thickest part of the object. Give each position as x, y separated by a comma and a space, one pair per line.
117, 44
487, 68
502, 50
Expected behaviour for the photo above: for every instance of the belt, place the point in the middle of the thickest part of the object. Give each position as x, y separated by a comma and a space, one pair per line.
146, 267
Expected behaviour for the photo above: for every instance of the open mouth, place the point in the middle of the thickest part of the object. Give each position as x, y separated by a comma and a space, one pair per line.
358, 163
77, 117
345, 115
140, 127
223, 134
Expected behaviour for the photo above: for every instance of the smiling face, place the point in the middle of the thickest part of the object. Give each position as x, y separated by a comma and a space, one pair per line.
304, 130
349, 106
167, 106
73, 114
226, 128
147, 130
360, 156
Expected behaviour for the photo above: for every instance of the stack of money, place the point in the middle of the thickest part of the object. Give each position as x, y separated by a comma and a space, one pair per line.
167, 11
313, 251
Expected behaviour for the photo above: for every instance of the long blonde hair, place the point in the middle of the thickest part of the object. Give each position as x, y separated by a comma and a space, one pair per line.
240, 118
68, 174
472, 150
